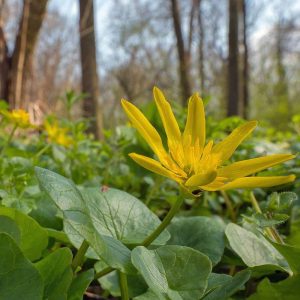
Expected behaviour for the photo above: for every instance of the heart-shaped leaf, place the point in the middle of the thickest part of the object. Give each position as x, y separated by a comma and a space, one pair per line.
57, 273
201, 233
173, 272
80, 284
229, 286
19, 279
9, 226
253, 250
33, 238
291, 254
78, 221
288, 289
122, 216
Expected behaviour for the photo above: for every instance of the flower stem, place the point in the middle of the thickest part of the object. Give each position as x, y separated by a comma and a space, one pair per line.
166, 221
103, 272
271, 232
123, 286
11, 135
43, 150
79, 257
229, 206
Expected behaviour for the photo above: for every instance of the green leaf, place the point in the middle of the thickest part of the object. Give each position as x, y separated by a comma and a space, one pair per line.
58, 235
288, 289
46, 212
253, 250
150, 295
229, 287
57, 273
33, 238
280, 202
215, 280
262, 221
9, 226
173, 272
79, 285
291, 254
78, 221
294, 237
19, 279
201, 233
122, 216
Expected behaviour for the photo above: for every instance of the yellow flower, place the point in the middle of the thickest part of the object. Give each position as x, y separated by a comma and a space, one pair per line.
58, 134
193, 163
18, 117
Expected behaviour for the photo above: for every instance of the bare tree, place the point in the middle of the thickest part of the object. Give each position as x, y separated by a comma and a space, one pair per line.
16, 69
201, 45
244, 64
246, 60
183, 55
4, 57
90, 80
233, 55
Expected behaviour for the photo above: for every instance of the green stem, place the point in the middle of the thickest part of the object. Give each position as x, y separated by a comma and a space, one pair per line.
9, 138
123, 286
43, 150
79, 257
166, 221
229, 206
271, 232
103, 272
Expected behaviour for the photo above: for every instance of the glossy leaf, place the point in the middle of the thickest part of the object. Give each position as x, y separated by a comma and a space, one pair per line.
76, 216
201, 233
79, 285
291, 254
173, 272
119, 215
57, 274
19, 279
229, 287
33, 238
288, 289
253, 250
9, 226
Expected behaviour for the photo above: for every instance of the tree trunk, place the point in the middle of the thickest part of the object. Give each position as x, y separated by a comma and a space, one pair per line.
18, 60
244, 63
22, 56
184, 60
201, 48
90, 80
4, 59
233, 66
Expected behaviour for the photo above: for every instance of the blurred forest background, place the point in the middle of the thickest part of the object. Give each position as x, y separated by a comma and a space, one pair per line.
242, 56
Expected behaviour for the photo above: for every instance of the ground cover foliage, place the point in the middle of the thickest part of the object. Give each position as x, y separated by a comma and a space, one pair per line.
77, 213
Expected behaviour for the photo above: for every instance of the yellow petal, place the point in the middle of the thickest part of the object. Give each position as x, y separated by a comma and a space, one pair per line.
201, 179
154, 166
195, 124
148, 132
214, 186
226, 148
247, 167
167, 116
255, 182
